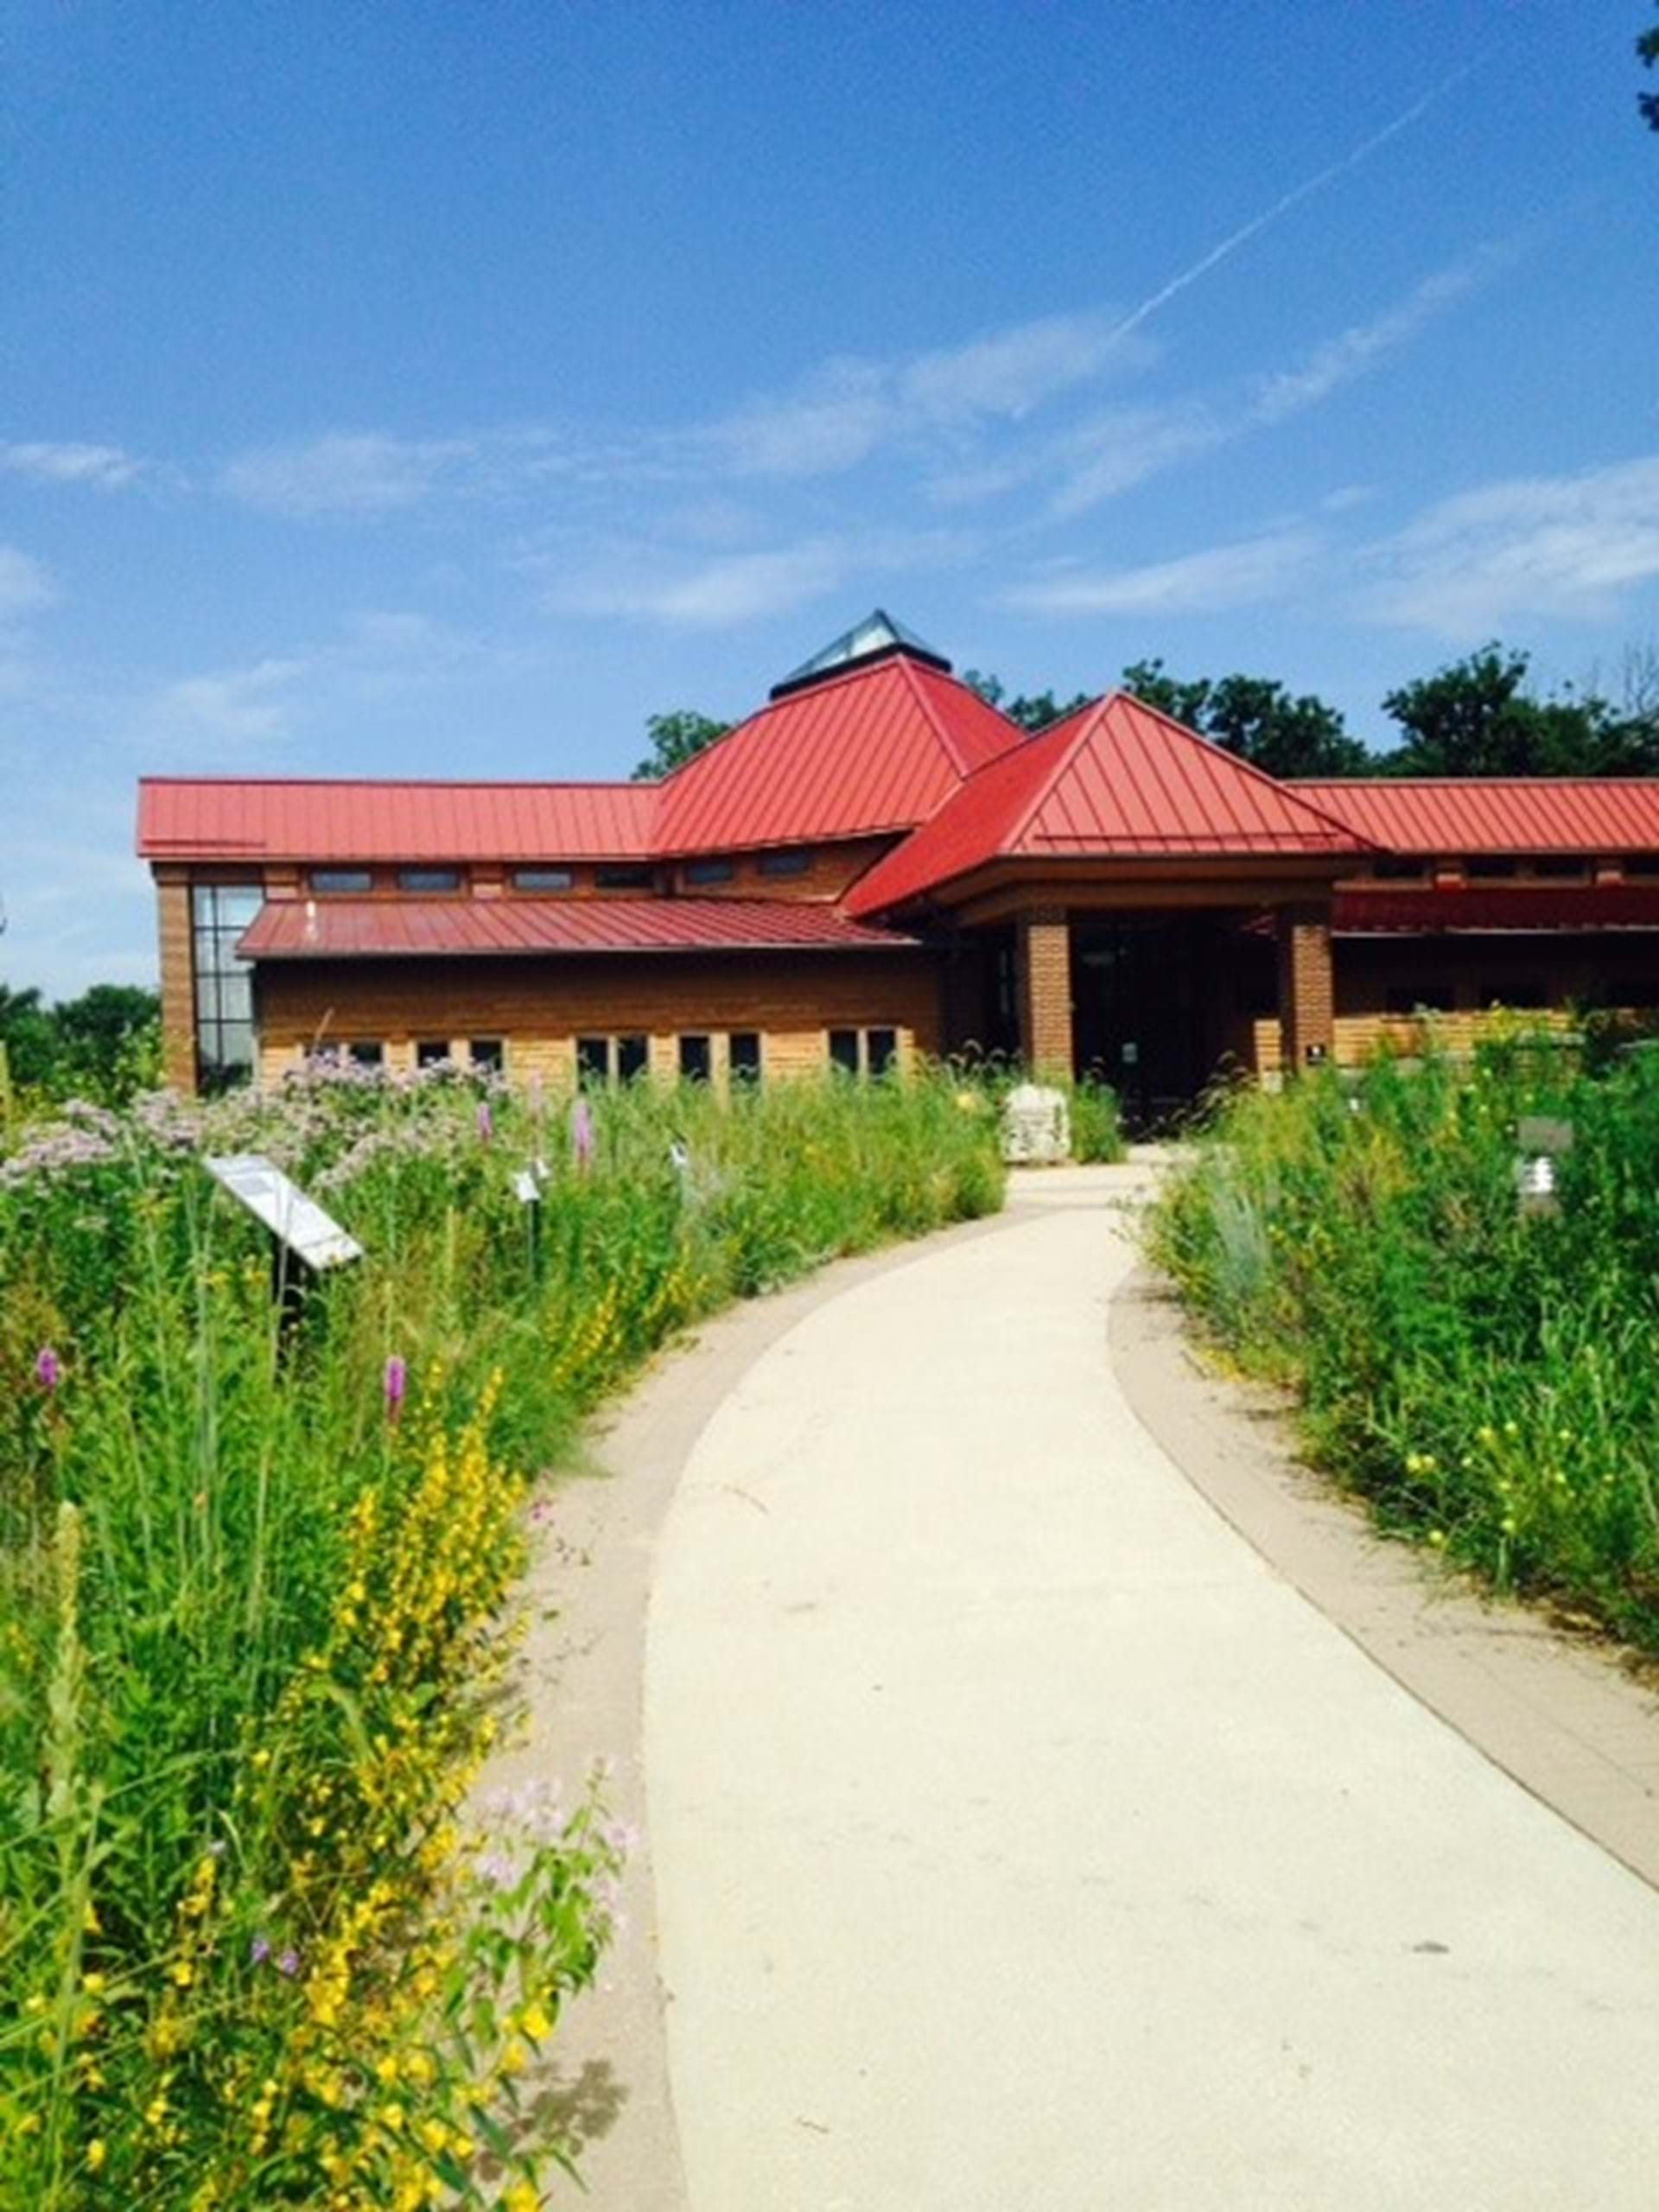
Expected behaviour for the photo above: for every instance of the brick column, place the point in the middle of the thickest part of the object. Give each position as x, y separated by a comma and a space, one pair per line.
1306, 995
1042, 961
178, 981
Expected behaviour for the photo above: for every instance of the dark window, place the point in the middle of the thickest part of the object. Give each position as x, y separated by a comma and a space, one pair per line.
615, 878
1562, 867
794, 862
709, 871
743, 1055
429, 878
223, 983
694, 1060
488, 1053
843, 1051
1641, 863
366, 1053
883, 1050
632, 1057
1398, 868
338, 880
1522, 992
542, 879
1418, 998
1483, 866
593, 1059
431, 1051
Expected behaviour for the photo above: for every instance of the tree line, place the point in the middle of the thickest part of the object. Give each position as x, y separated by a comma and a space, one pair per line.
105, 1044
1476, 716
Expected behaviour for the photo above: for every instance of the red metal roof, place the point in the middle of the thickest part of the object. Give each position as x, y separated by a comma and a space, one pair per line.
326, 929
1509, 814
1115, 778
269, 818
1507, 908
876, 749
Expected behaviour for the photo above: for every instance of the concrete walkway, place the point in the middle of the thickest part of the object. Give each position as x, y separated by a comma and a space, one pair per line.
1021, 1840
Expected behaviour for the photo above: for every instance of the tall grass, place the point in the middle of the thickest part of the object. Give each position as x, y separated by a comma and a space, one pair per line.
254, 1579
1485, 1375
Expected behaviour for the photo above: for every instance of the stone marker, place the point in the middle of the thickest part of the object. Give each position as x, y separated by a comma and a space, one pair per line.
1036, 1126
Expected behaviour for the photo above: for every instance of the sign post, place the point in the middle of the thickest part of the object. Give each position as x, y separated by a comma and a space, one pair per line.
305, 1240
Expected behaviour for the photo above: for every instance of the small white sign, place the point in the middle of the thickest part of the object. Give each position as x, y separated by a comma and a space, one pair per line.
301, 1223
526, 1189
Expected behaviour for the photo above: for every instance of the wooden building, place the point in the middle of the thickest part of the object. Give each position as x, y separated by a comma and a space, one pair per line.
879, 864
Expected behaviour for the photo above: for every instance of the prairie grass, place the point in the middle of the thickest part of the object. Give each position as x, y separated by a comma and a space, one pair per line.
255, 1584
1485, 1375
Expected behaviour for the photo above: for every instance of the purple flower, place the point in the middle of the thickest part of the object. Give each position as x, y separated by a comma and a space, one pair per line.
48, 1367
259, 1949
581, 1133
486, 1121
289, 1964
397, 1383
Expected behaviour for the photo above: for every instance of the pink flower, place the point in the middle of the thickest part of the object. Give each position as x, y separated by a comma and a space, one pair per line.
486, 1121
581, 1134
48, 1367
397, 1381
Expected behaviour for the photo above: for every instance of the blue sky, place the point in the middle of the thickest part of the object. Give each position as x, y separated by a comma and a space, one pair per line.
434, 391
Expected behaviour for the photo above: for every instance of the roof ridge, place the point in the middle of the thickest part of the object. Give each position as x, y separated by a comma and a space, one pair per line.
1086, 717
912, 679
1283, 786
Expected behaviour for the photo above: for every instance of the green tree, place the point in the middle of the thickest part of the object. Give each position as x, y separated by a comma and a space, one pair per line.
1033, 711
1476, 717
30, 1036
1648, 47
1256, 719
675, 738
106, 1035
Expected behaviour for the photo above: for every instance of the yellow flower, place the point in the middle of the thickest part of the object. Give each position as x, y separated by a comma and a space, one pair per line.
523, 2196
92, 1983
96, 2155
183, 1973
535, 2023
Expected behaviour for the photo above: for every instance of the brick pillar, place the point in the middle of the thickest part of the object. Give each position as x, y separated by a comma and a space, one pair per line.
178, 981
1043, 959
1307, 996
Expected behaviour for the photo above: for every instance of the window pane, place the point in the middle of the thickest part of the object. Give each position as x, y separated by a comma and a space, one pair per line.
622, 879
632, 1055
337, 880
236, 1044
796, 862
431, 1051
843, 1050
593, 1059
745, 1055
235, 995
238, 904
203, 902
366, 1053
695, 1058
709, 871
542, 879
1488, 864
884, 1051
207, 995
487, 1052
1568, 868
429, 878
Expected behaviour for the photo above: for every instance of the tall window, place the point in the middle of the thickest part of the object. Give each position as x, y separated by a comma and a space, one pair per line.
220, 911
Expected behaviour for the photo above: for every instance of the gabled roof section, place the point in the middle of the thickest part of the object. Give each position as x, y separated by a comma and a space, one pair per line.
1115, 779
278, 819
878, 748
876, 635
1507, 814
393, 928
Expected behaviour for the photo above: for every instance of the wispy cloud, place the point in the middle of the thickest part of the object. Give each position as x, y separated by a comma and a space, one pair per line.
343, 473
1340, 360
739, 588
25, 584
1220, 577
1546, 546
234, 706
106, 468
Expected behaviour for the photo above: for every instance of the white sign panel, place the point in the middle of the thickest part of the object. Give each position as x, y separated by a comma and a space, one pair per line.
301, 1223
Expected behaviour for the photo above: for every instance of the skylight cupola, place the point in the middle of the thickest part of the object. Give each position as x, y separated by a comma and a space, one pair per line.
873, 639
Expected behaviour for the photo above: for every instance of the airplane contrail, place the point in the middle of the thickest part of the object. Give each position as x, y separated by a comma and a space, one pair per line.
1282, 206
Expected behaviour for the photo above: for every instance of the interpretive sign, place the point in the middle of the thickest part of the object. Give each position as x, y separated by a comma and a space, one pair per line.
1036, 1126
297, 1222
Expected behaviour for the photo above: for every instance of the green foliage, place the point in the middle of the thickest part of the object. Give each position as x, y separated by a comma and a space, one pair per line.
1481, 1375
1646, 47
1475, 717
675, 738
1256, 718
1033, 711
253, 1628
105, 1044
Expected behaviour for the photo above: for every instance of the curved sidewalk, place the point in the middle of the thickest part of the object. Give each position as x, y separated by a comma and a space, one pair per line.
1020, 1839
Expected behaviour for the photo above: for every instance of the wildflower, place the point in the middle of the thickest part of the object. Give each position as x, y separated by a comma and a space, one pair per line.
535, 2023
183, 1973
523, 2196
396, 1384
581, 1133
96, 2155
259, 1950
486, 1121
93, 1984
289, 1964
48, 1367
